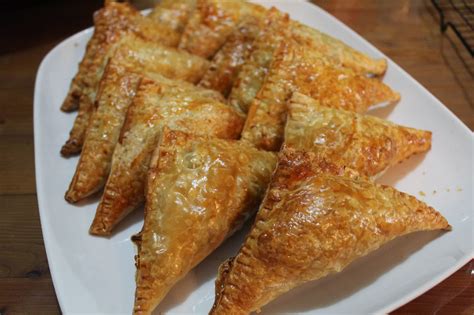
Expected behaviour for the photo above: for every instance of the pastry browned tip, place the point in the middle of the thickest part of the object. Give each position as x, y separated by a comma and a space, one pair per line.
71, 103
71, 148
99, 229
379, 66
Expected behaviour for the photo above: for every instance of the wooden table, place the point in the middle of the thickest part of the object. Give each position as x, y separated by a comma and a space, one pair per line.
407, 31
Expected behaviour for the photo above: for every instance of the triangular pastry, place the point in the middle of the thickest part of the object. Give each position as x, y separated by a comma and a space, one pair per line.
314, 221
280, 28
336, 51
140, 55
296, 69
199, 192
226, 63
110, 24
212, 22
116, 91
364, 143
156, 105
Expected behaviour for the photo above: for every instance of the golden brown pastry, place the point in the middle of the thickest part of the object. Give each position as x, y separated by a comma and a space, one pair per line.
156, 105
255, 67
227, 62
199, 192
173, 13
111, 23
314, 220
336, 51
297, 69
364, 143
140, 55
212, 22
116, 91
280, 27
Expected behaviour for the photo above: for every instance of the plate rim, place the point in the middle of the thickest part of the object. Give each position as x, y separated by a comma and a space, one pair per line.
45, 224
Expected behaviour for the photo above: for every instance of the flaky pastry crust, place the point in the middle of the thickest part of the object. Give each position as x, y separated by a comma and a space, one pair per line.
139, 55
212, 22
364, 143
227, 62
155, 105
314, 220
199, 191
255, 68
296, 69
173, 13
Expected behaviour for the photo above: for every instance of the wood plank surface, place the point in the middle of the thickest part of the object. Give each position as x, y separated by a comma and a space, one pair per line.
407, 31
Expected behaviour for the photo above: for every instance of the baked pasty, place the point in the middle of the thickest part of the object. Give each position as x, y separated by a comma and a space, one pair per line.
296, 69
155, 105
314, 220
226, 63
336, 51
253, 71
140, 55
279, 28
199, 192
110, 24
173, 13
116, 91
364, 143
212, 22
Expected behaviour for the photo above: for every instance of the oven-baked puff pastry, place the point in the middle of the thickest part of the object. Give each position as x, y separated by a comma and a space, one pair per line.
255, 68
364, 143
314, 220
199, 191
336, 51
110, 24
212, 22
280, 28
155, 105
226, 63
140, 55
116, 90
296, 69
173, 13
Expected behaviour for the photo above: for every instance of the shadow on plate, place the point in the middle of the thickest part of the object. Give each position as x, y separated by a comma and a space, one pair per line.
400, 171
382, 110
130, 220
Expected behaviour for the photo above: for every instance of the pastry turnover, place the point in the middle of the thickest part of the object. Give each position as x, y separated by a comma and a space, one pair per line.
212, 22
281, 27
155, 105
116, 90
227, 62
297, 69
255, 67
364, 143
314, 220
140, 55
199, 192
336, 51
111, 23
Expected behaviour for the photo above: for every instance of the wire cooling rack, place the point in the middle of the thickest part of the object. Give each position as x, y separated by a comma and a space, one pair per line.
459, 16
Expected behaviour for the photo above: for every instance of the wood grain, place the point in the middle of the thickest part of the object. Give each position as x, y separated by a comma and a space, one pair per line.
407, 31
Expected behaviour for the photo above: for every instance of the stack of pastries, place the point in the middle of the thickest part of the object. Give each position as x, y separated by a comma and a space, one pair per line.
206, 111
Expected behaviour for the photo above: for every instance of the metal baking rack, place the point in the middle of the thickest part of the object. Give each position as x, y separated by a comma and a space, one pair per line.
459, 16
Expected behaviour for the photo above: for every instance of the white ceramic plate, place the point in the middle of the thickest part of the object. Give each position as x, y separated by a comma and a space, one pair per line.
96, 275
